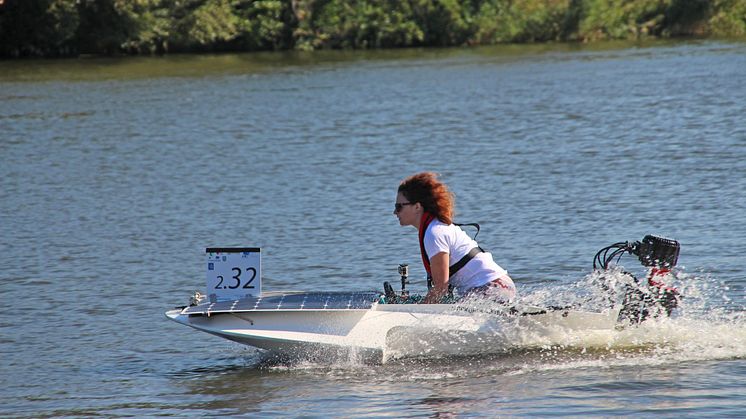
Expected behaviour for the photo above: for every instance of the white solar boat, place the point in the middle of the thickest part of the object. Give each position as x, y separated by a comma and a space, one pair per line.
375, 325
314, 323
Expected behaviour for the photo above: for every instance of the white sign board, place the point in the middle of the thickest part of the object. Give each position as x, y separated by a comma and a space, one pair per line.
233, 272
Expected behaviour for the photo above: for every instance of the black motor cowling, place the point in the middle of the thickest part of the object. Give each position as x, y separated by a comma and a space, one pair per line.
654, 251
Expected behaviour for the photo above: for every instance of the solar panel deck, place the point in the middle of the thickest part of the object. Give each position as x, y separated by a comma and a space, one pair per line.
290, 301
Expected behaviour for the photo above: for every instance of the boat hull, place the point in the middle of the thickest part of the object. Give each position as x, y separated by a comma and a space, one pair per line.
384, 331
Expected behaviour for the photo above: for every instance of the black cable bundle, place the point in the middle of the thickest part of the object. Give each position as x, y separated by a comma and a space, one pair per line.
603, 258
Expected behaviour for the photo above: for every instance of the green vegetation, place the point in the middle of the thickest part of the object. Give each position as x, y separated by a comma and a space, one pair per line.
72, 27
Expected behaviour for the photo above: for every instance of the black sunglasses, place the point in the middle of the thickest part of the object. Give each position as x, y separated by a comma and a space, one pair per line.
398, 206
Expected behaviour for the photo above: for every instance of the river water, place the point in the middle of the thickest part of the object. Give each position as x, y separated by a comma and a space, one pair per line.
115, 174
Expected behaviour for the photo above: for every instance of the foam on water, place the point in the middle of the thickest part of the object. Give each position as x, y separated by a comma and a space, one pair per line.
707, 324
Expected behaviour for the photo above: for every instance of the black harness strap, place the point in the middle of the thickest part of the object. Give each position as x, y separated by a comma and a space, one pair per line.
475, 225
464, 260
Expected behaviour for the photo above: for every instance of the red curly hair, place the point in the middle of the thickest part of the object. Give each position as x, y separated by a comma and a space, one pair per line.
431, 193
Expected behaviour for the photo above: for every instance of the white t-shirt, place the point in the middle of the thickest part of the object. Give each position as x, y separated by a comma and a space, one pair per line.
481, 270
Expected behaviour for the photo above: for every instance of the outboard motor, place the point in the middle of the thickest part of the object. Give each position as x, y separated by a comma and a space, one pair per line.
660, 255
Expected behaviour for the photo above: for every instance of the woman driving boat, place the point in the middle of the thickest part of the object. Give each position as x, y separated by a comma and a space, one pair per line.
452, 259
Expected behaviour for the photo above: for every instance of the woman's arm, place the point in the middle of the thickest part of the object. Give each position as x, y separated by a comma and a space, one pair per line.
439, 271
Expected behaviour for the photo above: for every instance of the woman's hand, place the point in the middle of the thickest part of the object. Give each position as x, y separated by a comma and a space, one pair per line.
439, 271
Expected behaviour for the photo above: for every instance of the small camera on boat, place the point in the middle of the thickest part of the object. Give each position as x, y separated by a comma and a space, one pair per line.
390, 294
404, 272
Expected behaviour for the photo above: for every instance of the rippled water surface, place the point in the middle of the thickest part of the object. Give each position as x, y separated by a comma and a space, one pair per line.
116, 174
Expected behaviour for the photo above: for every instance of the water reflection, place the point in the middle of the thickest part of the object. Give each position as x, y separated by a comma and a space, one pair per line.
229, 390
89, 68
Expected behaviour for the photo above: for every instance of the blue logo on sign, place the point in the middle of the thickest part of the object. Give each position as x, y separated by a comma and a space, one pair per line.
224, 258
210, 266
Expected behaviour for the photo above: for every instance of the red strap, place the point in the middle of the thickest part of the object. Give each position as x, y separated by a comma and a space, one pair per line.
427, 218
659, 272
500, 284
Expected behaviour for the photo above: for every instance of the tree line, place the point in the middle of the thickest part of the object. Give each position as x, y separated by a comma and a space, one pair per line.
74, 27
